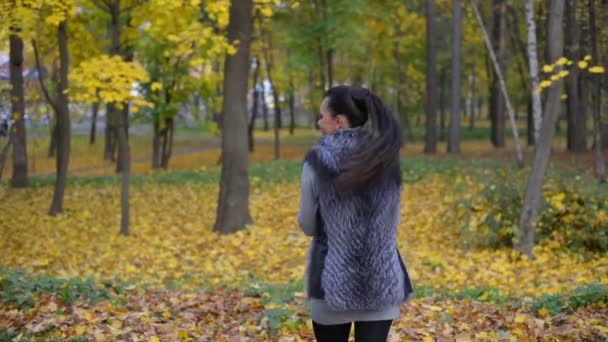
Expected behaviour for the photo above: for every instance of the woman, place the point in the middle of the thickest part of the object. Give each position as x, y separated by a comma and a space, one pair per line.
350, 201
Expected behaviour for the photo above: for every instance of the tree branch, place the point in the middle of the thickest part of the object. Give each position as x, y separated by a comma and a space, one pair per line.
42, 86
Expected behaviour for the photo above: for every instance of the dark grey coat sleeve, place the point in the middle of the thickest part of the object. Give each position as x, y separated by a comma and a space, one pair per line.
309, 201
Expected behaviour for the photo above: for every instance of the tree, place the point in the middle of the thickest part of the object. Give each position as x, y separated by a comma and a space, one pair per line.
533, 196
17, 135
113, 87
454, 127
430, 145
533, 62
497, 102
596, 98
576, 113
233, 205
60, 106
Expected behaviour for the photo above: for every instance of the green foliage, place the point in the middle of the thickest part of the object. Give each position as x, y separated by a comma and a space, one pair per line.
586, 295
19, 288
574, 213
276, 298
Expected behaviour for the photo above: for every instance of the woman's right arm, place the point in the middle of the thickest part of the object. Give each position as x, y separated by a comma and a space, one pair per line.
309, 202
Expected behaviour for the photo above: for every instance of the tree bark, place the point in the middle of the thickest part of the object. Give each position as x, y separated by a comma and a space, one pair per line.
255, 105
233, 204
156, 143
264, 106
292, 110
533, 68
63, 122
576, 113
17, 133
430, 145
443, 85
454, 128
95, 110
167, 146
497, 112
275, 96
596, 98
533, 196
124, 156
473, 95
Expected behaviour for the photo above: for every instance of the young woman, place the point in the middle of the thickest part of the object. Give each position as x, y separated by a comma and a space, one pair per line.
350, 201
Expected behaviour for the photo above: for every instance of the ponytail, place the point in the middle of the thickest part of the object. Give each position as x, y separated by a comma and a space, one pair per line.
376, 159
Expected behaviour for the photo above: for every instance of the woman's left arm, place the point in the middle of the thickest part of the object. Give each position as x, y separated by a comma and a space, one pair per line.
309, 202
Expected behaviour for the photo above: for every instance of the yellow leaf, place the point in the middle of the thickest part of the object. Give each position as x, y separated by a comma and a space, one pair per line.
582, 64
154, 339
80, 330
562, 61
596, 70
520, 318
548, 68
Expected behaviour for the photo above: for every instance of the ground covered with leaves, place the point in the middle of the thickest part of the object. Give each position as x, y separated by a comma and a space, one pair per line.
74, 277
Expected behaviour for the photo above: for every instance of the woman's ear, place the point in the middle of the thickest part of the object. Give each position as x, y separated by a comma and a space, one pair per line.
341, 121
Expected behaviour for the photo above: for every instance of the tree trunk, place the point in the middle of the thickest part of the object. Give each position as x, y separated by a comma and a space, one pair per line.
17, 133
534, 72
330, 51
497, 113
503, 88
256, 101
264, 106
233, 204
124, 156
473, 95
430, 145
95, 109
156, 143
596, 98
167, 147
110, 133
576, 116
454, 129
63, 122
53, 138
443, 85
533, 196
292, 110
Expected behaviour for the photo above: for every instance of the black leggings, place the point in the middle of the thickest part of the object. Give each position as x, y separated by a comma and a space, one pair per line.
371, 331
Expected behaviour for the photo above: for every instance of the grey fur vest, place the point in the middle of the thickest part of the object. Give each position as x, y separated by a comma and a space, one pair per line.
354, 261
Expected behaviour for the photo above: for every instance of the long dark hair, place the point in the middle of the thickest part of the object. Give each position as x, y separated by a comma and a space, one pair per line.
376, 157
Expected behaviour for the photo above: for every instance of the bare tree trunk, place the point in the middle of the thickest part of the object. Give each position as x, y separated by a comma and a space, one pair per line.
156, 143
292, 110
430, 146
596, 98
17, 133
497, 112
256, 100
63, 122
472, 96
167, 143
533, 197
95, 109
233, 205
110, 130
576, 116
503, 88
443, 85
125, 161
534, 72
454, 129
264, 106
